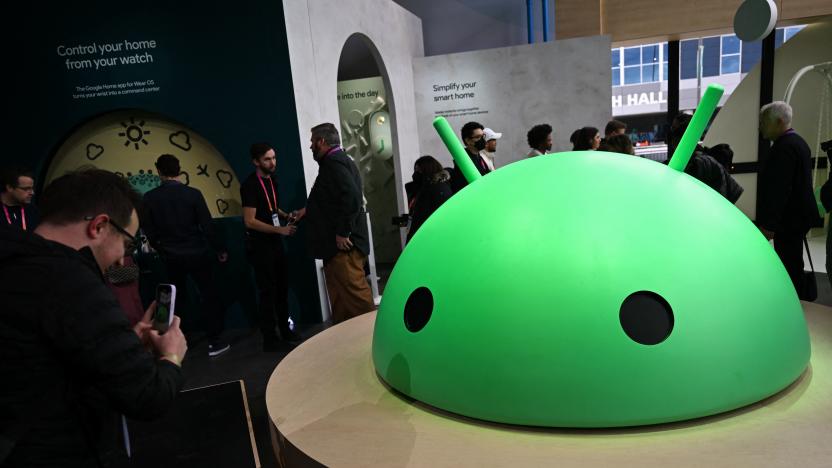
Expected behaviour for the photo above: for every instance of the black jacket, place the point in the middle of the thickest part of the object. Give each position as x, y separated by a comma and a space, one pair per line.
335, 206
826, 201
458, 180
177, 222
710, 171
787, 204
69, 361
430, 197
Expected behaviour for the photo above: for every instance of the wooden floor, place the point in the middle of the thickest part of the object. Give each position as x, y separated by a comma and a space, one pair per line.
329, 408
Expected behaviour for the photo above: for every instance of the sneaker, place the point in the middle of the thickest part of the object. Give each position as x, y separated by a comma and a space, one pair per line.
215, 349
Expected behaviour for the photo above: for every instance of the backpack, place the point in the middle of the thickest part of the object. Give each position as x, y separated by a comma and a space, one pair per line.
722, 153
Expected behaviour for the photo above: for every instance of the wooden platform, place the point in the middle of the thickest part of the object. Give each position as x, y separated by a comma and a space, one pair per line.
329, 408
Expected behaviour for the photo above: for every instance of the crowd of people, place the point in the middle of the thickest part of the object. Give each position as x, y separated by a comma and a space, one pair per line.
788, 208
74, 360
432, 184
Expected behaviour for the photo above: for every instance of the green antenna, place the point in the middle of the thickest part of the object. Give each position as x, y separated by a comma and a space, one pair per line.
696, 128
463, 161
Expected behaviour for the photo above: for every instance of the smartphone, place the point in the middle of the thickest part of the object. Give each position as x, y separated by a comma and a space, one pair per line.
165, 303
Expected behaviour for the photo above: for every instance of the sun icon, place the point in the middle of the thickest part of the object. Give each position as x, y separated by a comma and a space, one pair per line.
134, 133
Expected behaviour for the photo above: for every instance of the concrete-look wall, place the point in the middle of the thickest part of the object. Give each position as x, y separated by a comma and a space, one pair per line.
736, 123
317, 31
563, 83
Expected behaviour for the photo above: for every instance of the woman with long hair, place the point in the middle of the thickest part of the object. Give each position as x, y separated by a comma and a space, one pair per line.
584, 139
432, 190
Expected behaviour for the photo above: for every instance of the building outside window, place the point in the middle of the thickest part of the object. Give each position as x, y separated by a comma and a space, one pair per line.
639, 76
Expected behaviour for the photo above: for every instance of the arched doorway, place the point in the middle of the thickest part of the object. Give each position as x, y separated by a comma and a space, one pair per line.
367, 119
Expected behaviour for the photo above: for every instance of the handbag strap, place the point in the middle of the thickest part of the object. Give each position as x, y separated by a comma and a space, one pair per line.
806, 243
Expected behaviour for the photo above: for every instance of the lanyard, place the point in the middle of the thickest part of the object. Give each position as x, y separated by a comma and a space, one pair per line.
22, 216
332, 150
271, 210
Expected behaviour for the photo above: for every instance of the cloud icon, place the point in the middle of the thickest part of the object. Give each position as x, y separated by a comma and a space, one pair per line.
225, 178
222, 205
187, 178
181, 140
94, 151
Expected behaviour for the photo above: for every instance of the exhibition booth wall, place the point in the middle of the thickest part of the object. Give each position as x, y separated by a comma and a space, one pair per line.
114, 86
563, 83
316, 31
737, 121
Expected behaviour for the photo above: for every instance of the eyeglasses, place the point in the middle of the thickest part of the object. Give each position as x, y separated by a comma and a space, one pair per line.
131, 243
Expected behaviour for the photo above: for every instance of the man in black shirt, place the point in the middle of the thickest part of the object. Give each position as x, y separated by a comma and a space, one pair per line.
18, 190
177, 222
70, 361
266, 223
473, 137
787, 204
337, 225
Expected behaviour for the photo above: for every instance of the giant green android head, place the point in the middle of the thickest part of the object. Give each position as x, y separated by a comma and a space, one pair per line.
589, 289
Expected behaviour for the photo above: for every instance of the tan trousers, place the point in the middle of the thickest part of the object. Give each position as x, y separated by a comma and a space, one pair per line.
349, 292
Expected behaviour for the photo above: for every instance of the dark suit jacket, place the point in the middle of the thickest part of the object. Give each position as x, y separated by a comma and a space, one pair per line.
787, 204
177, 222
335, 206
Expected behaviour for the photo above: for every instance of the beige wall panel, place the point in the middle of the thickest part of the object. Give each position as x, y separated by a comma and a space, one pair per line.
629, 19
577, 18
635, 21
797, 9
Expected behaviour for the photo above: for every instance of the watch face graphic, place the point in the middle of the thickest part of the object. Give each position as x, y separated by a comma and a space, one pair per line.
128, 142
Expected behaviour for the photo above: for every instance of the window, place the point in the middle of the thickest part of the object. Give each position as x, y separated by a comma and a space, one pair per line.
632, 75
710, 56
687, 59
784, 34
730, 54
650, 64
752, 53
632, 65
632, 56
723, 55
791, 31
640, 64
778, 37
730, 45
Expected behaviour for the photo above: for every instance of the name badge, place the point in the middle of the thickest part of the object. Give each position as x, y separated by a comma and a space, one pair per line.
275, 220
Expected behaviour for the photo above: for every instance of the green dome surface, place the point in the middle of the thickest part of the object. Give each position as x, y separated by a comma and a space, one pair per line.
527, 269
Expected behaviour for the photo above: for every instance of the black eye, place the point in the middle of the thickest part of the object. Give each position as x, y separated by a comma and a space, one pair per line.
418, 309
646, 318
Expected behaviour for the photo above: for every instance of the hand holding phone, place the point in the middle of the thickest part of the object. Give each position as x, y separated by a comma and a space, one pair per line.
165, 304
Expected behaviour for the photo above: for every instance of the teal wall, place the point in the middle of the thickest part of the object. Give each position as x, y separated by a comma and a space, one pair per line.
222, 69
